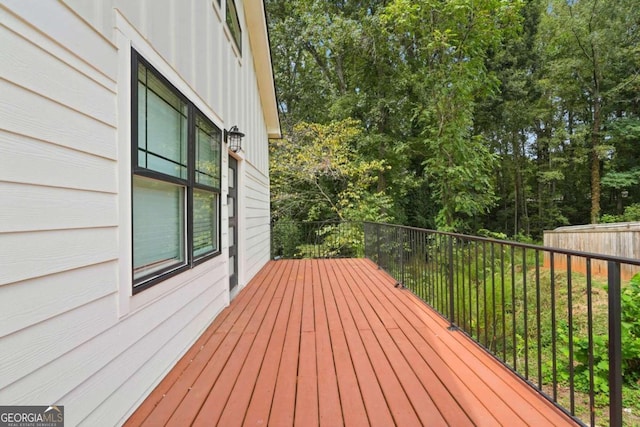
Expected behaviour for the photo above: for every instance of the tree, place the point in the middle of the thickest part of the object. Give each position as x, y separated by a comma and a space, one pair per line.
445, 45
586, 44
337, 64
316, 175
511, 115
506, 120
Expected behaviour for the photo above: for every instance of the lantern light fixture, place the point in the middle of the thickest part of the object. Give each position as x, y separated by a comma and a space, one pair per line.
233, 137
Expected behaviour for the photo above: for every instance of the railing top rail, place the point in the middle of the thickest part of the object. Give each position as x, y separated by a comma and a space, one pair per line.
330, 221
553, 250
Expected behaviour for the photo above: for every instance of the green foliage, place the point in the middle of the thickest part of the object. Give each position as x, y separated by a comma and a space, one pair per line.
286, 236
294, 239
487, 114
600, 352
523, 238
511, 304
620, 180
445, 46
631, 331
587, 61
343, 239
492, 234
631, 214
316, 175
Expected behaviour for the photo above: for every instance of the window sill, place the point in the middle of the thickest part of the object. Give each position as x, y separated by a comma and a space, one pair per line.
172, 284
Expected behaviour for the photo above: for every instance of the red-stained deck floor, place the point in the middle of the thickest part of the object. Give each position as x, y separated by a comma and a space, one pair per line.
331, 343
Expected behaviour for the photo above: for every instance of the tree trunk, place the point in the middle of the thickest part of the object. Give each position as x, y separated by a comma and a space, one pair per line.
595, 162
525, 209
517, 181
595, 139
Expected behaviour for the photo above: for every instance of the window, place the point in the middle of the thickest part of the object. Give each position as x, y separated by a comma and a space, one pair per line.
176, 154
233, 22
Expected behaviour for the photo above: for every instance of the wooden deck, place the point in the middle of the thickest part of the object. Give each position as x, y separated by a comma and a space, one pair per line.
331, 343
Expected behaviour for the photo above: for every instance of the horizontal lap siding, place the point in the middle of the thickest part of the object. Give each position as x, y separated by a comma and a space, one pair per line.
58, 213
245, 109
63, 338
123, 359
37, 116
149, 344
31, 349
255, 196
23, 63
45, 164
54, 21
51, 295
65, 208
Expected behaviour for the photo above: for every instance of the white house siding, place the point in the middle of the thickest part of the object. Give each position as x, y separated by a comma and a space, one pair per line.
257, 230
70, 331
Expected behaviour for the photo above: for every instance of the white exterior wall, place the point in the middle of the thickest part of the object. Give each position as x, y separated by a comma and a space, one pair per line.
71, 332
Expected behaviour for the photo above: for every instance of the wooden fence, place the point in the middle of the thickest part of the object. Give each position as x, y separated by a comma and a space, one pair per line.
620, 239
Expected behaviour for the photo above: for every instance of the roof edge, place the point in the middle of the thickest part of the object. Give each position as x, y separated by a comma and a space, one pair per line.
257, 30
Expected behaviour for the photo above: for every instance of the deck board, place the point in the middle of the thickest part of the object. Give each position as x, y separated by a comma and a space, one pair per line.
329, 407
259, 406
352, 403
333, 342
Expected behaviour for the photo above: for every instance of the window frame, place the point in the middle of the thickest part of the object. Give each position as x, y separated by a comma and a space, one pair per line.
233, 24
190, 184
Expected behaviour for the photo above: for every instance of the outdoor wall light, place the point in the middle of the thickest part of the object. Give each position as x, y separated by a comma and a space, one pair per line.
233, 137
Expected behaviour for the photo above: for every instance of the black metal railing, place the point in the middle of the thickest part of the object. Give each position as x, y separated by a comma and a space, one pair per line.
317, 239
552, 316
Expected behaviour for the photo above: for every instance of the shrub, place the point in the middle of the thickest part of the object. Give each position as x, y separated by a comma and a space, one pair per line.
286, 236
631, 214
630, 347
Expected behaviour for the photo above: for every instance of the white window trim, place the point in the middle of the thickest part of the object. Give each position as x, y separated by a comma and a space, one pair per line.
126, 37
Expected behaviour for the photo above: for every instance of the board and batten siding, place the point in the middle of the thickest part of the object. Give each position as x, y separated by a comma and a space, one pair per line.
71, 333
